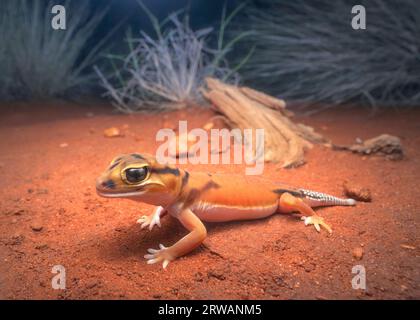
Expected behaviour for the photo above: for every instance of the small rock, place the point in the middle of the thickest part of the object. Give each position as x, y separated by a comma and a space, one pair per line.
216, 274
358, 253
19, 212
63, 145
208, 126
198, 277
41, 246
356, 192
42, 191
112, 132
36, 227
369, 293
309, 267
182, 143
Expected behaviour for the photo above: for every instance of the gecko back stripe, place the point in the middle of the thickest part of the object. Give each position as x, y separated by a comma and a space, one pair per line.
166, 170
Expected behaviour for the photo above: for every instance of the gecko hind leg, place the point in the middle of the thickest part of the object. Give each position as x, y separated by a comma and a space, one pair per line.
289, 203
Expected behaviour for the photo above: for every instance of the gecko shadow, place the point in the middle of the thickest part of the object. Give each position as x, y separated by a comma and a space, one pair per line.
131, 241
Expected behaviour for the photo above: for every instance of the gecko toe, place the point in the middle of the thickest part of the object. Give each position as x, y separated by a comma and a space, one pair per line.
142, 219
317, 222
165, 263
153, 261
159, 255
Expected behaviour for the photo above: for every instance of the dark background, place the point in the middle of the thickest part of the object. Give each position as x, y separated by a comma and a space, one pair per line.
202, 13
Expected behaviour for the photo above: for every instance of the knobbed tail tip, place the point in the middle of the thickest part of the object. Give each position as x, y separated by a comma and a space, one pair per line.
350, 202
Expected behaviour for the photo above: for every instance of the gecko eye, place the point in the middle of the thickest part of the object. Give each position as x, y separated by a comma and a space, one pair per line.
135, 175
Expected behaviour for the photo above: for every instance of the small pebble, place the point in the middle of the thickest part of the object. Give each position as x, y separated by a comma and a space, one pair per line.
36, 227
358, 253
41, 246
91, 284
356, 192
19, 212
208, 126
112, 132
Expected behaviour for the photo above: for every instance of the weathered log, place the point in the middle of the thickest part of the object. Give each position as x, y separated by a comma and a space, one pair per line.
245, 108
384, 144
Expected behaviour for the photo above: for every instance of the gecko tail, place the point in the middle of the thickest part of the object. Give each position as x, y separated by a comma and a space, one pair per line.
319, 199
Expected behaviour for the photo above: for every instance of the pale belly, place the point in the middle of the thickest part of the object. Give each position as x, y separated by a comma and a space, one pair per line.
219, 213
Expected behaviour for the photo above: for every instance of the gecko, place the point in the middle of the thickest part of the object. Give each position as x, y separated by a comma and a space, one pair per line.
197, 197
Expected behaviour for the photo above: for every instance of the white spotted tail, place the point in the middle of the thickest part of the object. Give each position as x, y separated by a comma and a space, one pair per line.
318, 199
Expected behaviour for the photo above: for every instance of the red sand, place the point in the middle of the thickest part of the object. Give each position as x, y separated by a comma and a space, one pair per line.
97, 240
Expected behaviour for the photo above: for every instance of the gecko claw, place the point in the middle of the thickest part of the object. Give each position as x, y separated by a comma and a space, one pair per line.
158, 255
317, 222
165, 263
144, 221
150, 221
155, 221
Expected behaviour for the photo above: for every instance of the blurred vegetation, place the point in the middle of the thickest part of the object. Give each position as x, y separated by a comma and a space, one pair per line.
37, 61
307, 51
166, 70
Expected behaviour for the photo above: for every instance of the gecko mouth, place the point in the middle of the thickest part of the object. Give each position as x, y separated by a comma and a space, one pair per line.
118, 195
108, 188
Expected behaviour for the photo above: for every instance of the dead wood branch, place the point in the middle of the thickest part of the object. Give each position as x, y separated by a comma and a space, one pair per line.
384, 144
245, 108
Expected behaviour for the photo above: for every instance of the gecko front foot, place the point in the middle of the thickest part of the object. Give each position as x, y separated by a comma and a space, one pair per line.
150, 221
153, 219
157, 255
318, 222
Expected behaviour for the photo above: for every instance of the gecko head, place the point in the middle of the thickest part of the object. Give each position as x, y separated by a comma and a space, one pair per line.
135, 176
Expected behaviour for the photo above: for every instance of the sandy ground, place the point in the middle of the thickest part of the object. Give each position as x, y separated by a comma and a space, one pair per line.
50, 215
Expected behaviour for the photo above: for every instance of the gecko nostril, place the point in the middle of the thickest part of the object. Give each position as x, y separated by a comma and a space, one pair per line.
109, 184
